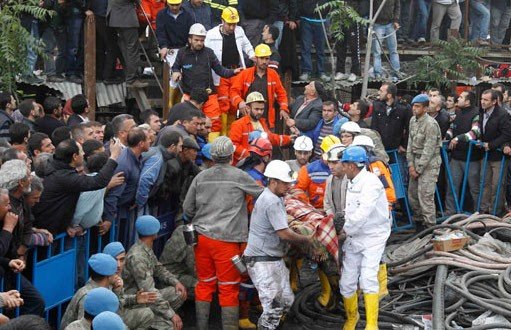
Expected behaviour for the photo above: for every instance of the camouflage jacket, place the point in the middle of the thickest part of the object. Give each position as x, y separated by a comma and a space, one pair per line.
424, 142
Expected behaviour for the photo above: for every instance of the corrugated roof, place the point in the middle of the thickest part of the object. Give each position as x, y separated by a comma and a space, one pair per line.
105, 94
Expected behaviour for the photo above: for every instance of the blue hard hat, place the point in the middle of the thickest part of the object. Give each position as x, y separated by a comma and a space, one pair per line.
147, 225
103, 264
421, 98
354, 154
108, 321
114, 249
100, 300
254, 135
206, 151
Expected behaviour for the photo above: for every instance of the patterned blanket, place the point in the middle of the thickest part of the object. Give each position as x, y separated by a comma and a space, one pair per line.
303, 218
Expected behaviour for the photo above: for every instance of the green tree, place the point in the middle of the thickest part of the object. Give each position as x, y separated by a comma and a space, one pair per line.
15, 40
454, 60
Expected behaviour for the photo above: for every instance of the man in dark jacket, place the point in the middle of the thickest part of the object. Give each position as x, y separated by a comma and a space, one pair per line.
200, 12
63, 185
119, 200
437, 111
122, 16
52, 116
464, 128
495, 124
306, 110
257, 13
391, 118
286, 15
385, 28
7, 106
80, 107
172, 26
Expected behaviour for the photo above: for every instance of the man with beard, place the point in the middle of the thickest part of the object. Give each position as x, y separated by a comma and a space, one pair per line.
52, 116
243, 127
264, 80
193, 66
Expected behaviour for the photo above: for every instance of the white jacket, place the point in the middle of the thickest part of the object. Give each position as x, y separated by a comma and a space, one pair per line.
367, 213
215, 41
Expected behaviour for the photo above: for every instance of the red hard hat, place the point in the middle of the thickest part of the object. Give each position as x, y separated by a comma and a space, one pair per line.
261, 146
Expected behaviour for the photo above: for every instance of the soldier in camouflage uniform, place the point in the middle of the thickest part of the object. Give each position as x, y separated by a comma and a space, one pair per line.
178, 258
96, 301
133, 310
423, 156
102, 271
143, 271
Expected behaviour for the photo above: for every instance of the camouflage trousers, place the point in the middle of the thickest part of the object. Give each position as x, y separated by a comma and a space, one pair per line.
421, 195
271, 279
189, 282
170, 296
137, 318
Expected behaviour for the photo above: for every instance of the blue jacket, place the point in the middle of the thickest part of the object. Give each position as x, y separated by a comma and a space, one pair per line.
119, 199
201, 142
151, 166
314, 134
172, 32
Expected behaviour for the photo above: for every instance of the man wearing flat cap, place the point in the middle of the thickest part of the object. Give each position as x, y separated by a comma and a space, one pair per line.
143, 271
423, 156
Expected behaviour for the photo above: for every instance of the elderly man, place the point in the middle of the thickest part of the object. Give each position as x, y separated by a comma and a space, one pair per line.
437, 111
306, 110
17, 227
222, 223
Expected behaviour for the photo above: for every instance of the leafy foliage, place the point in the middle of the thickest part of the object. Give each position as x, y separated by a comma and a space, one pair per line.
16, 40
340, 15
454, 60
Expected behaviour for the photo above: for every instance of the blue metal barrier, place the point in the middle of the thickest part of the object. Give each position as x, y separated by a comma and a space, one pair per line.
54, 274
482, 180
398, 173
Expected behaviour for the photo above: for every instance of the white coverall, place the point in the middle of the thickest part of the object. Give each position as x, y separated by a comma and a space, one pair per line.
367, 229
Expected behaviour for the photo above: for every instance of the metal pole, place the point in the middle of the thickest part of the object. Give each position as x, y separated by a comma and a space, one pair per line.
90, 65
372, 19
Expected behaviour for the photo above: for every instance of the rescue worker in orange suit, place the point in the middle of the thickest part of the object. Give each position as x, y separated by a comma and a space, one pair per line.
146, 14
252, 122
312, 177
377, 166
215, 203
193, 67
260, 155
230, 44
264, 80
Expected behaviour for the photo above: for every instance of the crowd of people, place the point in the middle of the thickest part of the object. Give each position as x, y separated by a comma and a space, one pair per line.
277, 23
62, 172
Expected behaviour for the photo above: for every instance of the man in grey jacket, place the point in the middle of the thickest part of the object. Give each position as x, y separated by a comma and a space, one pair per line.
306, 110
215, 204
122, 16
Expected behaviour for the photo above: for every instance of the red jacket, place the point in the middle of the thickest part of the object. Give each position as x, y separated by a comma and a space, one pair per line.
241, 128
151, 9
241, 84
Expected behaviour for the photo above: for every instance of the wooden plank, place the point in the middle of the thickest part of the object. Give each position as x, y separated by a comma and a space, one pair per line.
90, 65
166, 87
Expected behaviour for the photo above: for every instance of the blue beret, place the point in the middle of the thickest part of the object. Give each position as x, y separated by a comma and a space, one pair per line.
147, 225
99, 300
114, 249
108, 321
421, 98
103, 264
337, 127
206, 151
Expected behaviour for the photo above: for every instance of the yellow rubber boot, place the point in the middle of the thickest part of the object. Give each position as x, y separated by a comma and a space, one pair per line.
223, 119
244, 322
326, 289
382, 280
371, 302
296, 265
352, 315
212, 136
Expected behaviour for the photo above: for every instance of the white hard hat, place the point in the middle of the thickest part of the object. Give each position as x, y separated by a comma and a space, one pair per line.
303, 143
350, 127
279, 170
334, 153
363, 140
197, 29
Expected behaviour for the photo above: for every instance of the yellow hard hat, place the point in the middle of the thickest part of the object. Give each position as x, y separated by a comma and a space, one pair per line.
230, 15
262, 50
174, 2
254, 97
329, 141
